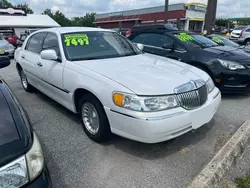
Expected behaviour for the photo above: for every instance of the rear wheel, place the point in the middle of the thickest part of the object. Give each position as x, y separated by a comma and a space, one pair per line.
26, 86
94, 119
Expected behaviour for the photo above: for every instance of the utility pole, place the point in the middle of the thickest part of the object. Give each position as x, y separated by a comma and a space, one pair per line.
166, 12
210, 15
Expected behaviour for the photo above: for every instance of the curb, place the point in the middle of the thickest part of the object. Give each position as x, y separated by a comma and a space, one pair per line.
211, 175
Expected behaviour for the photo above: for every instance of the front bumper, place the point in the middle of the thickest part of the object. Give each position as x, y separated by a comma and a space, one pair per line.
10, 52
42, 181
233, 81
161, 126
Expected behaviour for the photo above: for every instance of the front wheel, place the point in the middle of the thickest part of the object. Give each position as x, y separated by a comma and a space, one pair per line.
247, 43
94, 119
26, 86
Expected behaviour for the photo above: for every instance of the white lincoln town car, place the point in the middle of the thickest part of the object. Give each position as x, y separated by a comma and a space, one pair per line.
114, 86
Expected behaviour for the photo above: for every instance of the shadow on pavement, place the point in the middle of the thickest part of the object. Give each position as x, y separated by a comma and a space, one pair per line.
160, 150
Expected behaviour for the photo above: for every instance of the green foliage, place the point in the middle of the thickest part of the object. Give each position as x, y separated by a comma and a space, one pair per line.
5, 4
244, 21
86, 20
25, 7
61, 19
244, 182
221, 22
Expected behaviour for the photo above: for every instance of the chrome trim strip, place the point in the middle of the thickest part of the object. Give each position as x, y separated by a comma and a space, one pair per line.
216, 94
151, 118
238, 86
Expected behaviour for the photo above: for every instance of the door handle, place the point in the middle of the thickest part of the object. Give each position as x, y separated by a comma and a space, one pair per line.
22, 56
39, 64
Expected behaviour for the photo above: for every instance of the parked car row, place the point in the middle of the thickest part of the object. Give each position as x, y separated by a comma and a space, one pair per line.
241, 34
228, 66
6, 47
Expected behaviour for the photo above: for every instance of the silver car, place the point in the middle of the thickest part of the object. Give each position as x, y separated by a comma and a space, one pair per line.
6, 47
241, 34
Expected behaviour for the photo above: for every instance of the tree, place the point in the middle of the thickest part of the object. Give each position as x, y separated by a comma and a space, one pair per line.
5, 4
221, 22
244, 21
25, 8
87, 20
59, 17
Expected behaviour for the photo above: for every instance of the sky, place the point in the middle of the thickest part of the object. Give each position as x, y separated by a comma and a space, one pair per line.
72, 8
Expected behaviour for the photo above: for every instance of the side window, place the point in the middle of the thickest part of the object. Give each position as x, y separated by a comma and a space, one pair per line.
35, 43
248, 30
153, 39
139, 39
51, 42
179, 46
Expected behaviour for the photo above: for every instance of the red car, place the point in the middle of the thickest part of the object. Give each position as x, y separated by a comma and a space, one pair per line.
10, 37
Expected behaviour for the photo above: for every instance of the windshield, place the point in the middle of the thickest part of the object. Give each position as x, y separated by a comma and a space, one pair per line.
196, 40
97, 45
224, 41
240, 28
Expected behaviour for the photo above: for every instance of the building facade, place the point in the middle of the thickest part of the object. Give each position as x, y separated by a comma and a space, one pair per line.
191, 15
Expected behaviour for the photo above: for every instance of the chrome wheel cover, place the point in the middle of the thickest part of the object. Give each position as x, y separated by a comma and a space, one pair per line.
90, 118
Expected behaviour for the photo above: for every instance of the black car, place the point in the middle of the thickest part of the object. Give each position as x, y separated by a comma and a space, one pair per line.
223, 41
21, 156
228, 66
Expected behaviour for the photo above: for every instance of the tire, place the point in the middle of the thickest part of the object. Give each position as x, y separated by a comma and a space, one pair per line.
94, 119
247, 42
24, 81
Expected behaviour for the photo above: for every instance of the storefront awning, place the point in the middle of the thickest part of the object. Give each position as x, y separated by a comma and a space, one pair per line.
112, 21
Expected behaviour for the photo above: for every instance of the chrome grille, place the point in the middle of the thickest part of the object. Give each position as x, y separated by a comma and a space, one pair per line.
193, 99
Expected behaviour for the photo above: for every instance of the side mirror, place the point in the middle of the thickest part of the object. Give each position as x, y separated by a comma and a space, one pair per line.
169, 46
140, 46
49, 55
4, 61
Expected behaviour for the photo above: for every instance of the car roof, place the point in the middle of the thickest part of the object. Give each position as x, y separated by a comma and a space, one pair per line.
63, 30
153, 27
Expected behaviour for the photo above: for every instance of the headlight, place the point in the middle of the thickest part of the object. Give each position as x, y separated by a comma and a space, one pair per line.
145, 104
24, 169
14, 174
231, 65
11, 47
35, 159
210, 85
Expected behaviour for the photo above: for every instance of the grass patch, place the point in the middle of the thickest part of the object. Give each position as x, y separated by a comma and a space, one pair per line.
243, 182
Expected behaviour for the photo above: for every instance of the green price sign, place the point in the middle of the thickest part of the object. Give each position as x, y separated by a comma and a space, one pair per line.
76, 40
185, 37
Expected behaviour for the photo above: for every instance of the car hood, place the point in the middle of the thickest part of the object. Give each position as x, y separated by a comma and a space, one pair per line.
15, 136
3, 43
8, 128
228, 53
146, 74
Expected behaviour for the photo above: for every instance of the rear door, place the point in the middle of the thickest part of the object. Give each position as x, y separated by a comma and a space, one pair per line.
30, 58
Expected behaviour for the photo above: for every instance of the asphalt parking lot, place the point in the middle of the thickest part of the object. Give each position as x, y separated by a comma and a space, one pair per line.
75, 161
